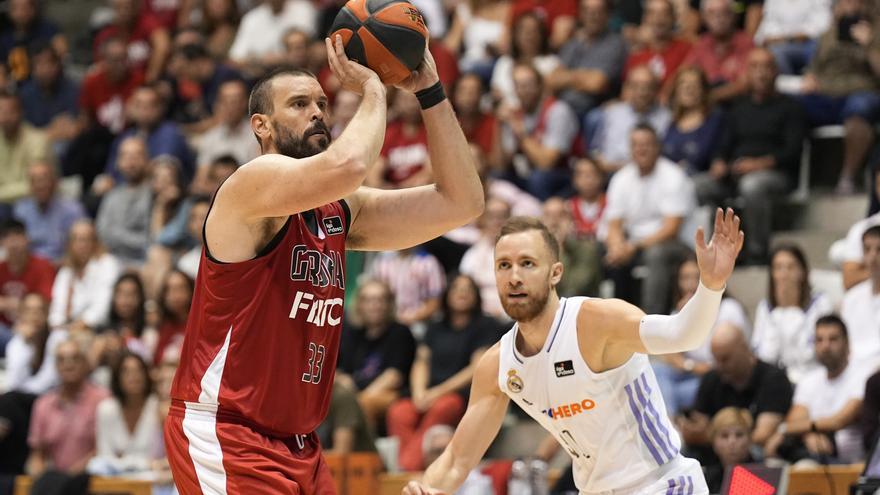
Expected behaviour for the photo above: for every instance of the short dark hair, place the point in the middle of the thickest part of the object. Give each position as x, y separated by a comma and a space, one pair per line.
116, 377
225, 160
260, 100
533, 69
516, 225
645, 127
871, 232
12, 226
834, 320
193, 51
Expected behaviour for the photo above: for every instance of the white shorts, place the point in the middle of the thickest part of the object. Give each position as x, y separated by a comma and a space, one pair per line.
680, 476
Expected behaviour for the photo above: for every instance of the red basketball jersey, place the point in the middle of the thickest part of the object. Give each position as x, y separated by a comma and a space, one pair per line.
263, 334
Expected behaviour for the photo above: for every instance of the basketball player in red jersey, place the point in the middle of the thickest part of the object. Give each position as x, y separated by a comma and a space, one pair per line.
256, 370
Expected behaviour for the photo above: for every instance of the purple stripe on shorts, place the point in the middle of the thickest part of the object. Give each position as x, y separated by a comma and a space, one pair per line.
642, 433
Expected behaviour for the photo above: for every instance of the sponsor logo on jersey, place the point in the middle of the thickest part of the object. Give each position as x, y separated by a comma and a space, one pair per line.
569, 410
319, 268
333, 225
319, 312
514, 382
563, 368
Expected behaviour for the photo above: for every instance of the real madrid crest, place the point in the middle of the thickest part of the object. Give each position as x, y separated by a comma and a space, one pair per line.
514, 382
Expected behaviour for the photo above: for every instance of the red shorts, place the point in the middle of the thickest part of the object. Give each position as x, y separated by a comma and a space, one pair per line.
219, 457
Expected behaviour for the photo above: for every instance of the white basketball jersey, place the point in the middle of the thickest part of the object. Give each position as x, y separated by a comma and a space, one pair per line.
613, 424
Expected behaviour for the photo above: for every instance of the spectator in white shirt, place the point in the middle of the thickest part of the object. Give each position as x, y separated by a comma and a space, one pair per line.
83, 287
259, 39
648, 201
825, 411
861, 305
785, 321
847, 252
123, 445
30, 355
790, 28
479, 260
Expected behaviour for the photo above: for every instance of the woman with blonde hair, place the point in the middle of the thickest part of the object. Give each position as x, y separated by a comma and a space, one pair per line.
731, 433
83, 288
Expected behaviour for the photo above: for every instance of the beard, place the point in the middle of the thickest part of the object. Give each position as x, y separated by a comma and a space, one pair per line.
302, 147
526, 308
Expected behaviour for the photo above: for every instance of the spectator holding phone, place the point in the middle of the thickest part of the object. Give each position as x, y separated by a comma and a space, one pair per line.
841, 83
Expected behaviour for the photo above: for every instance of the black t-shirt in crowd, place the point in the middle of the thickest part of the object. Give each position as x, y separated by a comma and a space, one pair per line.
365, 359
451, 350
768, 391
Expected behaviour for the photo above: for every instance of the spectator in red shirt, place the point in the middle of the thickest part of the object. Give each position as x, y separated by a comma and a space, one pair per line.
22, 272
479, 127
559, 17
722, 52
147, 41
662, 52
107, 88
404, 159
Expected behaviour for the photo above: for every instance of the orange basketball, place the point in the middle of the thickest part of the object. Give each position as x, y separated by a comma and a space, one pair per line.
387, 36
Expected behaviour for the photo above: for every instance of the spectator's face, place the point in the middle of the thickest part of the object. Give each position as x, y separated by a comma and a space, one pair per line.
22, 12
10, 115
407, 106
689, 90
731, 444
164, 177
594, 16
688, 278
71, 363
345, 105
831, 347
761, 71
115, 61
732, 360
46, 68
524, 274
125, 11
787, 273
296, 44
197, 215
33, 313
586, 179
645, 149
556, 216
220, 172
718, 17
527, 87
83, 241
132, 378
42, 181
297, 119
467, 94
178, 294
127, 299
16, 246
462, 296
496, 213
374, 304
218, 10
871, 253
641, 89
133, 161
317, 55
527, 35
145, 107
660, 17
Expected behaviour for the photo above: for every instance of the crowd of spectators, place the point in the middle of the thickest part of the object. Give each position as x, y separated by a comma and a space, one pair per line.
615, 121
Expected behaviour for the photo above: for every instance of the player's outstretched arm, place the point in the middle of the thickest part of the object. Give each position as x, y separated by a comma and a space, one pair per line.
274, 185
626, 328
474, 434
387, 220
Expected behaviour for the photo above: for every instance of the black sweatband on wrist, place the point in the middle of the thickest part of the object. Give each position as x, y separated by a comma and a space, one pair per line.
431, 96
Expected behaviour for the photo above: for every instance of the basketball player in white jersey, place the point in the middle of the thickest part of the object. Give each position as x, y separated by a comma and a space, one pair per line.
579, 366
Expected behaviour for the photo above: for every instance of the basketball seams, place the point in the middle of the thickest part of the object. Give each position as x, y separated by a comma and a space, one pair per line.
396, 35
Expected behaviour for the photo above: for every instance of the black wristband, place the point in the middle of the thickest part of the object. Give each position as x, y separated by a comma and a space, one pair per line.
431, 96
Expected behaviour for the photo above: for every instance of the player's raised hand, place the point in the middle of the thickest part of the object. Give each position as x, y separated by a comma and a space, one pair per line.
717, 258
352, 75
423, 77
417, 488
